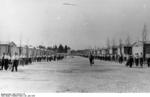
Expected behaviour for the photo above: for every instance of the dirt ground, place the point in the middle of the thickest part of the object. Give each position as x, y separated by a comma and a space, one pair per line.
76, 75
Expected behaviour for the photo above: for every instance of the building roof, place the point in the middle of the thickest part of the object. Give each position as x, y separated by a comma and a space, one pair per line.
7, 43
4, 42
140, 43
30, 46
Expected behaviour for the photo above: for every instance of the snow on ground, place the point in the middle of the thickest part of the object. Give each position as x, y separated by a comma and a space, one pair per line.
76, 75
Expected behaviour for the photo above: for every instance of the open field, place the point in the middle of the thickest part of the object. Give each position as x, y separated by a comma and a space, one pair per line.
75, 75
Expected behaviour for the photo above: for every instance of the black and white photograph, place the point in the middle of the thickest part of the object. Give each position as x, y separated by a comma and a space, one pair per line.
74, 46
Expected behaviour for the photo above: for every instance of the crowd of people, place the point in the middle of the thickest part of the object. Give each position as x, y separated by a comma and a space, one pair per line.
129, 60
137, 61
11, 63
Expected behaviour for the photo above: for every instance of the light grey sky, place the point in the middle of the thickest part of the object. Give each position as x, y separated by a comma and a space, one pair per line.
85, 24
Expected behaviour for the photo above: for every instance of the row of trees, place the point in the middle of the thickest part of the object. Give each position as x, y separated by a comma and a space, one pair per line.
144, 37
58, 49
113, 42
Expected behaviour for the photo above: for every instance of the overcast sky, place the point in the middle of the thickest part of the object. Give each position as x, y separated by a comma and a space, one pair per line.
77, 23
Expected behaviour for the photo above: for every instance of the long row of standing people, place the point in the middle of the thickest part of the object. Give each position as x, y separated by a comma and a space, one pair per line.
12, 63
6, 60
129, 60
137, 61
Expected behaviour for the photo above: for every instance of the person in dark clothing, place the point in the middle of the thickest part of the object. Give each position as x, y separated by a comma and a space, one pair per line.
148, 62
91, 59
3, 61
127, 61
137, 60
6, 61
130, 62
141, 60
121, 59
15, 60
54, 57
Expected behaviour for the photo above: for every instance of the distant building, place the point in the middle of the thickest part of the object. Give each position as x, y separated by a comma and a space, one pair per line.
110, 51
38, 52
137, 48
31, 51
4, 48
103, 51
23, 51
141, 48
13, 49
125, 50
8, 48
115, 50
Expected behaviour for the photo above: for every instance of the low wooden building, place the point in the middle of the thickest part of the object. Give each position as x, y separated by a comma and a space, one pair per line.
13, 49
115, 50
141, 48
4, 48
9, 48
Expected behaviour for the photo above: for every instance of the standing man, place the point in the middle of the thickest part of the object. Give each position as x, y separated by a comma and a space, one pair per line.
54, 57
141, 60
148, 61
15, 62
120, 59
6, 61
3, 61
137, 60
91, 59
127, 61
131, 61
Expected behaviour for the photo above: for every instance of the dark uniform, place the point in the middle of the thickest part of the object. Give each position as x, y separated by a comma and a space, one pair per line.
137, 60
141, 60
130, 61
91, 59
15, 60
121, 59
148, 62
3, 61
6, 62
54, 58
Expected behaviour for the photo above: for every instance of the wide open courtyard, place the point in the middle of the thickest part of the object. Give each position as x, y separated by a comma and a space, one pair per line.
74, 74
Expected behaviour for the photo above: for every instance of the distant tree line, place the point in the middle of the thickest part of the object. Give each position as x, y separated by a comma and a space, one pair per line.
58, 49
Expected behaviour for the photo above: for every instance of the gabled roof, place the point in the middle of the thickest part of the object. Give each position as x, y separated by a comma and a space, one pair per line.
137, 43
30, 46
12, 44
7, 43
148, 42
140, 43
4, 42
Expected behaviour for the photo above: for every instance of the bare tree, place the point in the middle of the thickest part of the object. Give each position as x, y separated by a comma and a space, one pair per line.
144, 33
113, 42
128, 40
137, 39
120, 46
108, 43
120, 42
